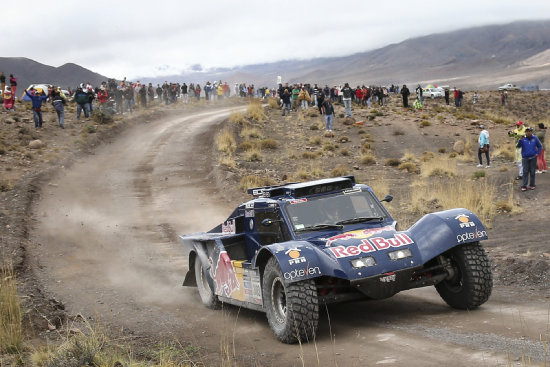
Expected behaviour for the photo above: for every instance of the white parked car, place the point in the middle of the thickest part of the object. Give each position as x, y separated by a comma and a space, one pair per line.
433, 92
508, 87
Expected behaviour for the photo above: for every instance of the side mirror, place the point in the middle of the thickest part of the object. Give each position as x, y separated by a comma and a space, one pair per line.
388, 198
267, 222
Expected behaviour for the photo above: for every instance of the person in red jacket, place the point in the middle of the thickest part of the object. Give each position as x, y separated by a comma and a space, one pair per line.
102, 97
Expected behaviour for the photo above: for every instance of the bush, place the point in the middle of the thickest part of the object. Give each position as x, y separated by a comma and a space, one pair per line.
246, 145
250, 132
11, 329
268, 144
317, 140
479, 174
225, 142
251, 181
339, 170
100, 116
425, 123
368, 159
392, 162
253, 155
255, 111
237, 118
309, 155
410, 167
344, 152
91, 129
398, 132
272, 102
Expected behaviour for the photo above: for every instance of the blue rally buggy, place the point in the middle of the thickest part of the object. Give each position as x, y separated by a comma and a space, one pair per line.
297, 246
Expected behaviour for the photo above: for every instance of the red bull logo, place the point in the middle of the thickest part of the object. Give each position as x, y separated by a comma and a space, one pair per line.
224, 276
359, 234
372, 244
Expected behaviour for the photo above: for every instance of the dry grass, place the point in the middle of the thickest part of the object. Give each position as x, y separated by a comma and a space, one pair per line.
237, 118
340, 170
506, 151
268, 144
368, 159
272, 102
509, 204
228, 161
251, 133
409, 166
246, 145
444, 193
253, 155
438, 167
427, 156
408, 157
11, 330
316, 140
251, 181
467, 156
392, 162
308, 173
310, 155
498, 119
255, 111
225, 142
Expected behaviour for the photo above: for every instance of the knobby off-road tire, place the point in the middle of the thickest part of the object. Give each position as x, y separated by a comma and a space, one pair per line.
208, 298
292, 310
472, 282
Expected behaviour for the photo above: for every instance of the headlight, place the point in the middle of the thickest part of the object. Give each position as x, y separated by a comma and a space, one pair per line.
363, 262
400, 254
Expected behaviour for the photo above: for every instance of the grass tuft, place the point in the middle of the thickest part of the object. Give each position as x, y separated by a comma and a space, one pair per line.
11, 329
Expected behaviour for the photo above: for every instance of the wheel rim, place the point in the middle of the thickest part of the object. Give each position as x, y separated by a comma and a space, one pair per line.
455, 283
278, 300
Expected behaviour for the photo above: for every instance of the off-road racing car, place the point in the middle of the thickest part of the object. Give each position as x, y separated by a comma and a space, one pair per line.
297, 246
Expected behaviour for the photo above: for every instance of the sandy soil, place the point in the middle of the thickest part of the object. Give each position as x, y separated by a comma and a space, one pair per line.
103, 243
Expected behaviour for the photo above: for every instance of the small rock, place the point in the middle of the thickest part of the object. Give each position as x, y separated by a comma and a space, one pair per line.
459, 146
36, 144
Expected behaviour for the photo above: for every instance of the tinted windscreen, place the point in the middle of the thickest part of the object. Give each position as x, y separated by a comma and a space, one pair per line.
333, 209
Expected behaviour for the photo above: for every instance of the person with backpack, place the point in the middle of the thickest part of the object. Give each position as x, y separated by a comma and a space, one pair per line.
59, 100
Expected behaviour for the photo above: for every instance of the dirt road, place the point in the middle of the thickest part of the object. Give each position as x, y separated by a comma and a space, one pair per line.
107, 248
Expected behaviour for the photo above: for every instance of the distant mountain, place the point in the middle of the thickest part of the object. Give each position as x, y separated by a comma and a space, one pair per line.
28, 72
474, 58
480, 57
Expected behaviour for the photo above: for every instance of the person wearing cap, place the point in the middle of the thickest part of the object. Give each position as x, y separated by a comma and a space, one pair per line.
483, 140
541, 134
517, 134
530, 149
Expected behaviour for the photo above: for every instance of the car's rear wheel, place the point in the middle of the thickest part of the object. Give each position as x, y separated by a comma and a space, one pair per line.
470, 279
292, 309
208, 298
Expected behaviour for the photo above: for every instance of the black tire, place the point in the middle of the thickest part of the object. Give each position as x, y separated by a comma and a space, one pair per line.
471, 281
208, 298
292, 310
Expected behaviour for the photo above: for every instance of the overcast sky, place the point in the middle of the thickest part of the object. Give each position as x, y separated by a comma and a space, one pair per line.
136, 38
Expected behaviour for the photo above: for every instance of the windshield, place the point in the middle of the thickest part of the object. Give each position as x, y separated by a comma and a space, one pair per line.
334, 211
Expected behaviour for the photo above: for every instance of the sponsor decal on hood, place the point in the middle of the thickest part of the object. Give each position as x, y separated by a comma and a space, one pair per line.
358, 234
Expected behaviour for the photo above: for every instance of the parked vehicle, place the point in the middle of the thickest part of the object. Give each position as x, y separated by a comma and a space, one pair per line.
298, 246
509, 87
433, 92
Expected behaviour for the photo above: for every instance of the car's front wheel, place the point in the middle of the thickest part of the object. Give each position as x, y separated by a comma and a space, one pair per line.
292, 309
470, 279
208, 298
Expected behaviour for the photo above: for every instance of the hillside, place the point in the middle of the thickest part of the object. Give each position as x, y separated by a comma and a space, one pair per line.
28, 72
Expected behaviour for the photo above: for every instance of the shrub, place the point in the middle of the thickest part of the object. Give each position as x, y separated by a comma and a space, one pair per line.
268, 144
410, 167
425, 123
339, 170
246, 145
314, 127
309, 155
225, 142
91, 129
442, 150
426, 156
253, 155
408, 157
272, 102
392, 162
479, 174
439, 167
368, 159
329, 147
99, 116
398, 132
250, 133
316, 140
228, 161
344, 152
255, 111
251, 181
237, 118
11, 329
453, 155
366, 147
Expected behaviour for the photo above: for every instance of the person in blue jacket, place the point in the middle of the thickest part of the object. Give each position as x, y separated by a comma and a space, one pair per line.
530, 149
37, 98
